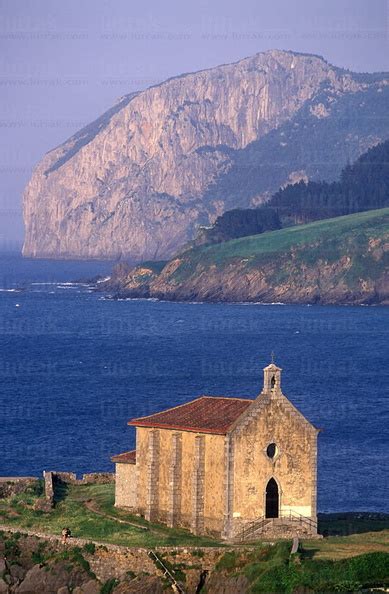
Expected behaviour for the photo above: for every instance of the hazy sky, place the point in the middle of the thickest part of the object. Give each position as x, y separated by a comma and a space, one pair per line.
63, 62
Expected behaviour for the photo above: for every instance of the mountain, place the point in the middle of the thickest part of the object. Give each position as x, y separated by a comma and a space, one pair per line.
138, 181
344, 260
362, 186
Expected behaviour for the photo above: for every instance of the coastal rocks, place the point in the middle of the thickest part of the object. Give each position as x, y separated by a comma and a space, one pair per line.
49, 578
143, 585
17, 572
220, 584
91, 587
138, 181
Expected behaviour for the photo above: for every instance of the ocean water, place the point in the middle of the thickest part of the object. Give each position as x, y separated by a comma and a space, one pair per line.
75, 366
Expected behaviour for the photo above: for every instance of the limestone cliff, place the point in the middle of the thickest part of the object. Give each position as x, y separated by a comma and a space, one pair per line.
140, 179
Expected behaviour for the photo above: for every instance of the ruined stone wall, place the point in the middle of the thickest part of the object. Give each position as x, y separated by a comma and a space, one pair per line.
92, 478
13, 485
180, 478
98, 478
273, 420
49, 487
52, 478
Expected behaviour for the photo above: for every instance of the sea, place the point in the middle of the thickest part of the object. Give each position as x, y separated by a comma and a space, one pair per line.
75, 366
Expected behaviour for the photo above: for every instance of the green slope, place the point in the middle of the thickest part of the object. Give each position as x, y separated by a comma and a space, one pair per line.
343, 260
329, 233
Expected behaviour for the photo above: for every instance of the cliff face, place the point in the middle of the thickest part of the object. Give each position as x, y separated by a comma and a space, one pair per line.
140, 179
343, 260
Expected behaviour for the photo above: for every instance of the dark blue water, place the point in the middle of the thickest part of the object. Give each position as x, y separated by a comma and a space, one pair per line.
75, 367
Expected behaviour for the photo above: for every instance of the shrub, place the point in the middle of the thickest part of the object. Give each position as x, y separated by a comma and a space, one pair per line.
89, 548
109, 585
38, 556
75, 556
228, 561
11, 548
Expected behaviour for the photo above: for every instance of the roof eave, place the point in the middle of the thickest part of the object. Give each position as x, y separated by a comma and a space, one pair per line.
124, 458
222, 431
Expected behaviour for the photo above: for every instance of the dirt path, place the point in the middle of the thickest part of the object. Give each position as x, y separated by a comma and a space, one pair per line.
89, 504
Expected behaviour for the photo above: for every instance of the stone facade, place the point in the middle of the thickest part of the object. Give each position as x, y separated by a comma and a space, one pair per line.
170, 481
253, 475
125, 490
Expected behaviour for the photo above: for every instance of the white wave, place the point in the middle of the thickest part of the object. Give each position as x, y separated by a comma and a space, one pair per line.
70, 285
256, 303
10, 290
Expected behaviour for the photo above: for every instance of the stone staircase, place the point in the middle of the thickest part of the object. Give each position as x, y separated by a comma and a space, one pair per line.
286, 526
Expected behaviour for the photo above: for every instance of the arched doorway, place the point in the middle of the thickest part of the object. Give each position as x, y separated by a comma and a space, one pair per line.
272, 499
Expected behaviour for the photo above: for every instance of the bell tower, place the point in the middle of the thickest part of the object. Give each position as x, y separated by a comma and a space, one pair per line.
272, 378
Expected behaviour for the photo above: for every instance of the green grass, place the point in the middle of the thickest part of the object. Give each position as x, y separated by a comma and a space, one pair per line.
273, 569
70, 511
349, 575
337, 235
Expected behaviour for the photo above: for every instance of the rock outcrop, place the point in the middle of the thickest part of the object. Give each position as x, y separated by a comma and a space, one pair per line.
138, 181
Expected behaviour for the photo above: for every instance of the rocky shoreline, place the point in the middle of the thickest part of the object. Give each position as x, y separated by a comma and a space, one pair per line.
230, 289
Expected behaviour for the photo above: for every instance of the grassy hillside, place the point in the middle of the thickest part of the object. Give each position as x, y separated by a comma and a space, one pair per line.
373, 223
340, 260
89, 512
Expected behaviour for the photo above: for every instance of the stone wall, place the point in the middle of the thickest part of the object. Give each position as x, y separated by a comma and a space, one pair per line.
52, 478
10, 486
125, 488
97, 478
49, 487
171, 486
92, 478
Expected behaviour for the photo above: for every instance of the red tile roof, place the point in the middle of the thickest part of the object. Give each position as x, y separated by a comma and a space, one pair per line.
207, 414
125, 458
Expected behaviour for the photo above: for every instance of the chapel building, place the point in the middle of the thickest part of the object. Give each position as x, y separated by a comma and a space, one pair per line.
235, 468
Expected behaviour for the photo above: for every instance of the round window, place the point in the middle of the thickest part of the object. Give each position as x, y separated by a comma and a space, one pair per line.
271, 450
